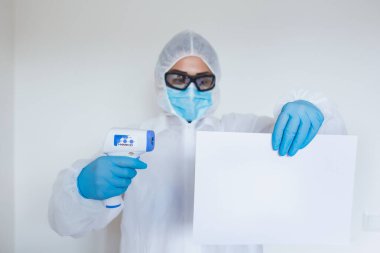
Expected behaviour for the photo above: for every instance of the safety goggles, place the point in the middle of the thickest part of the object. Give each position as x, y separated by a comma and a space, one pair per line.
181, 81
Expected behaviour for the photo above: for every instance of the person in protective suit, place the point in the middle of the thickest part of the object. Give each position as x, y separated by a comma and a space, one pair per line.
157, 211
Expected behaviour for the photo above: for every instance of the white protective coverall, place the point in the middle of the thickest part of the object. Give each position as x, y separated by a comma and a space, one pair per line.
158, 207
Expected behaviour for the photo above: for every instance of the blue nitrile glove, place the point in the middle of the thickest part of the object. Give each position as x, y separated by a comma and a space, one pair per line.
296, 126
108, 176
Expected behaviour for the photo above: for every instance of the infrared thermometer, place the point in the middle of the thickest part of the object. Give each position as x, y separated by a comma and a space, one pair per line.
127, 142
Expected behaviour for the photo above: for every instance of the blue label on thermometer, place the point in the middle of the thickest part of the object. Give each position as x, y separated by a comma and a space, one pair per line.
122, 140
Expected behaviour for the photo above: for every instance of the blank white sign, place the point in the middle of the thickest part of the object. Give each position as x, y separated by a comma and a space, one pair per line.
245, 193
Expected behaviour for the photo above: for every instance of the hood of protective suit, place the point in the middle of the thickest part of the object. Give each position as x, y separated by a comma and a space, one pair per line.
183, 44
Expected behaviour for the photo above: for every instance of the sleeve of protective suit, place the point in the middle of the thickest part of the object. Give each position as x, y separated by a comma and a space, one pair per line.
72, 215
333, 122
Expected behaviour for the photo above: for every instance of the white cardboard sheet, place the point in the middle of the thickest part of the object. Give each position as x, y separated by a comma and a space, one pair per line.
245, 193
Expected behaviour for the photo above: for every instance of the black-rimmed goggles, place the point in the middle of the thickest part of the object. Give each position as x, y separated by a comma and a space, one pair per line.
181, 81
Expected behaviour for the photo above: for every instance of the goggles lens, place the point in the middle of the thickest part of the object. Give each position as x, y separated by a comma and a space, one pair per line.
181, 81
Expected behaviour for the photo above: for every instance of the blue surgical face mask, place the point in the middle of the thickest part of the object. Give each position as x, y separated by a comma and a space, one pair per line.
190, 104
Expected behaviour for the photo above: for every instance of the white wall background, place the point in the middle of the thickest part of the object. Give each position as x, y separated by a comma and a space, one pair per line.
82, 67
6, 127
